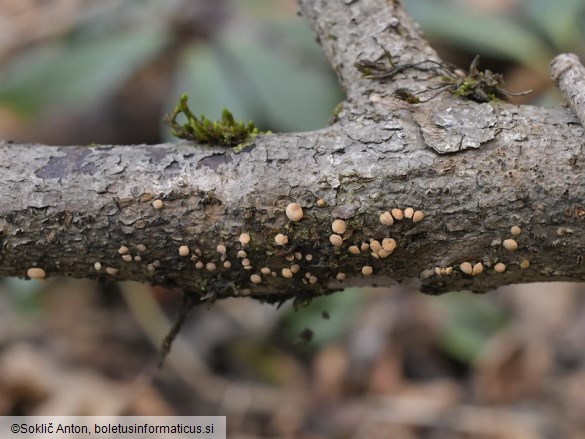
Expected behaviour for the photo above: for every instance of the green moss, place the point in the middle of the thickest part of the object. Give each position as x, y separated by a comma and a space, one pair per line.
224, 132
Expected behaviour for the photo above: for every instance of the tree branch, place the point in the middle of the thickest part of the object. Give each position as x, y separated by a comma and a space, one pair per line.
475, 170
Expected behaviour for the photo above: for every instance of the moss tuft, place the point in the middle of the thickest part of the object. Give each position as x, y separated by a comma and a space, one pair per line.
224, 132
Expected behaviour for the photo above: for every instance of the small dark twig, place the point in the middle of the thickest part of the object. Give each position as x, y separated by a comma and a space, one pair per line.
189, 301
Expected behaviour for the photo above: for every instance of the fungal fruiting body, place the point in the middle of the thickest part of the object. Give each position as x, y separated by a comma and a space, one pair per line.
210, 266
336, 240
321, 202
418, 216
286, 272
123, 250
221, 248
397, 214
525, 264
295, 268
157, 204
338, 226
477, 269
367, 270
515, 230
386, 219
97, 266
227, 264
408, 212
466, 268
241, 254
340, 276
184, 250
294, 212
389, 244
36, 273
265, 270
127, 258
244, 238
141, 247
255, 279
375, 246
510, 244
281, 239
354, 250
444, 271
500, 267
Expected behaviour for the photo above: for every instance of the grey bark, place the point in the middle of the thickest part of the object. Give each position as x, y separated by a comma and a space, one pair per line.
475, 170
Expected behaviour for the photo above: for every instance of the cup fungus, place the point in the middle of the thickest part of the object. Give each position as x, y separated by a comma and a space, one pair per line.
408, 212
375, 246
338, 226
286, 272
418, 216
294, 212
281, 239
36, 273
367, 270
336, 240
157, 204
397, 214
389, 244
386, 219
466, 268
477, 269
340, 276
500, 267
510, 244
184, 250
515, 230
255, 279
525, 264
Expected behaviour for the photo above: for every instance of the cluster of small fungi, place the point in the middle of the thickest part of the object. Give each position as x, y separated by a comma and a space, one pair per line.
476, 269
376, 249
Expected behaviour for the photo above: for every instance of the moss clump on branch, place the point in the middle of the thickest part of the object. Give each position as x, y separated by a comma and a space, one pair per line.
224, 132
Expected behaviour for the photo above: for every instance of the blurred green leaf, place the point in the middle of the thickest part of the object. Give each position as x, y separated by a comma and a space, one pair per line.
78, 71
341, 308
484, 34
559, 20
470, 321
202, 77
274, 77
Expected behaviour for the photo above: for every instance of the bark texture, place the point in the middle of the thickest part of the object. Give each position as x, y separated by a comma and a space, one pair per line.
474, 169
